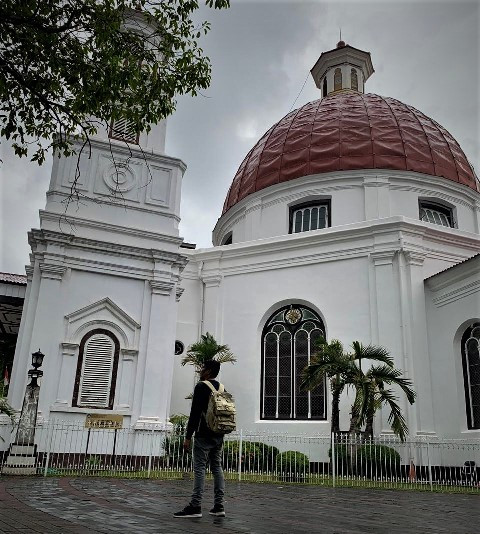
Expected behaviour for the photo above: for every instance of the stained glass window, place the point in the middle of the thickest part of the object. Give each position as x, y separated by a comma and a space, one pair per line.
471, 374
288, 342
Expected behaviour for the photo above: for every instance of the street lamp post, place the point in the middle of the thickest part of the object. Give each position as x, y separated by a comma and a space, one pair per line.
22, 456
28, 415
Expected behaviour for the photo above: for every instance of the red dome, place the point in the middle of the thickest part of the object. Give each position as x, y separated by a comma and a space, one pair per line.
350, 131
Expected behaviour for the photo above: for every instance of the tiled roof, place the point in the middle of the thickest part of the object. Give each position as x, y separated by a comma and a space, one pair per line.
349, 131
10, 278
453, 266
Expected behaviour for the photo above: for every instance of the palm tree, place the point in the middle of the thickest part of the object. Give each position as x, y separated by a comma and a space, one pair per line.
330, 361
207, 349
372, 394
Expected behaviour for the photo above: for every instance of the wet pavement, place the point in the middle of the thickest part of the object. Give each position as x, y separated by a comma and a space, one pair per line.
84, 505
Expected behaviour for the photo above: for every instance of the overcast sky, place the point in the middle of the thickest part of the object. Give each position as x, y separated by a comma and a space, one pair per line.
424, 54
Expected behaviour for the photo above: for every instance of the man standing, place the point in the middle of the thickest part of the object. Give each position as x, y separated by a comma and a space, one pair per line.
207, 447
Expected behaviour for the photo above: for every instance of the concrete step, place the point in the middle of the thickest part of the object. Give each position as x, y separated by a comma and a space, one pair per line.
26, 450
19, 471
21, 461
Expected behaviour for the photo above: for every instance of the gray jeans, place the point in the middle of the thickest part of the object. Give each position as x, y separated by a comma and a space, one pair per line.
208, 450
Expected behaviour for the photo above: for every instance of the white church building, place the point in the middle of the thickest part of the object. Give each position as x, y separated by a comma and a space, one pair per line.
355, 217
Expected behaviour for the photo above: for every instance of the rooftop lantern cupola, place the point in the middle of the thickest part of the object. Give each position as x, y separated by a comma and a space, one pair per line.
342, 69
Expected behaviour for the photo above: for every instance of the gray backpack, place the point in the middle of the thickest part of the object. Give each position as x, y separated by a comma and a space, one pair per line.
221, 410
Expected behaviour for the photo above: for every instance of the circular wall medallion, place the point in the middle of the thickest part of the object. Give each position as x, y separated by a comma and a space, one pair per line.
293, 316
119, 177
179, 348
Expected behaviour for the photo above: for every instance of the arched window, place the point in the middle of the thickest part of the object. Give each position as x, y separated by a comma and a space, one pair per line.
309, 216
288, 342
471, 374
96, 370
228, 239
324, 90
436, 214
353, 80
337, 80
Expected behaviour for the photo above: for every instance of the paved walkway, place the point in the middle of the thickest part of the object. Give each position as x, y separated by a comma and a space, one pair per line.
89, 505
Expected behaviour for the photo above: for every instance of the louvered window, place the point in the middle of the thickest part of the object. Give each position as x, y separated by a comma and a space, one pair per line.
337, 80
471, 374
288, 343
124, 130
96, 370
353, 80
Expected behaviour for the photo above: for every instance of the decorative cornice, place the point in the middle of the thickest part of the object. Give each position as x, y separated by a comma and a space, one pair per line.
52, 271
383, 257
161, 287
128, 354
375, 181
69, 349
457, 294
29, 270
178, 293
414, 257
212, 280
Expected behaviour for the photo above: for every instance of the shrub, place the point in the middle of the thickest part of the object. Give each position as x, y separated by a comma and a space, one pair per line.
256, 456
377, 460
292, 462
343, 464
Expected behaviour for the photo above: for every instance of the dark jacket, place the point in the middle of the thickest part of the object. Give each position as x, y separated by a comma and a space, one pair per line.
196, 422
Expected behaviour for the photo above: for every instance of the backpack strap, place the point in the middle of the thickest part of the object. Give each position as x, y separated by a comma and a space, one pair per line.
220, 389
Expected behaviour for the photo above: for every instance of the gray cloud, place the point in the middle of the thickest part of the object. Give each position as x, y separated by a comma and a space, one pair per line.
424, 53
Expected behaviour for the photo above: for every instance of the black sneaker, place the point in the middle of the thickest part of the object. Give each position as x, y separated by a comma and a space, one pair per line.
189, 511
218, 510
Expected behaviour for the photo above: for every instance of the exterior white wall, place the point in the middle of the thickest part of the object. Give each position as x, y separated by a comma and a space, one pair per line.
355, 196
452, 304
365, 279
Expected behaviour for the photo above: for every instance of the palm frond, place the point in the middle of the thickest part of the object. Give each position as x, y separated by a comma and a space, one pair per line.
6, 409
207, 349
372, 352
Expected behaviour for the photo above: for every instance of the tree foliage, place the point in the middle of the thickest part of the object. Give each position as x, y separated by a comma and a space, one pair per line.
207, 349
71, 66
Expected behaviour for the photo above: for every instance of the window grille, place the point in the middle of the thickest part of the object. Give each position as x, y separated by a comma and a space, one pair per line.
288, 342
309, 217
337, 80
436, 214
471, 374
96, 370
354, 80
124, 130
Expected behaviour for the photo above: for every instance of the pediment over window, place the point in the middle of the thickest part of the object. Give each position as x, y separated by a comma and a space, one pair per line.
103, 314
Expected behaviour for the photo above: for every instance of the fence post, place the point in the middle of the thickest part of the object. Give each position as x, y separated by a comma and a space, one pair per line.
150, 454
240, 445
333, 458
429, 466
49, 446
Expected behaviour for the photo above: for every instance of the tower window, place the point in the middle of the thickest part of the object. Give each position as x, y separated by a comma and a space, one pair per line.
471, 374
288, 342
305, 217
337, 80
324, 90
96, 370
436, 214
227, 240
123, 130
354, 80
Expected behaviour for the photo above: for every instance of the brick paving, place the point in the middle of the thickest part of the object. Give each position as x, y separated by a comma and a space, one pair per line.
89, 505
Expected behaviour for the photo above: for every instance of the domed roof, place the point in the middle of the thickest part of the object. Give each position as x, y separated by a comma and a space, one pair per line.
350, 131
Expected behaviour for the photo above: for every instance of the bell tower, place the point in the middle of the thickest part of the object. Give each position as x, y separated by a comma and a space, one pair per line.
104, 280
344, 68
